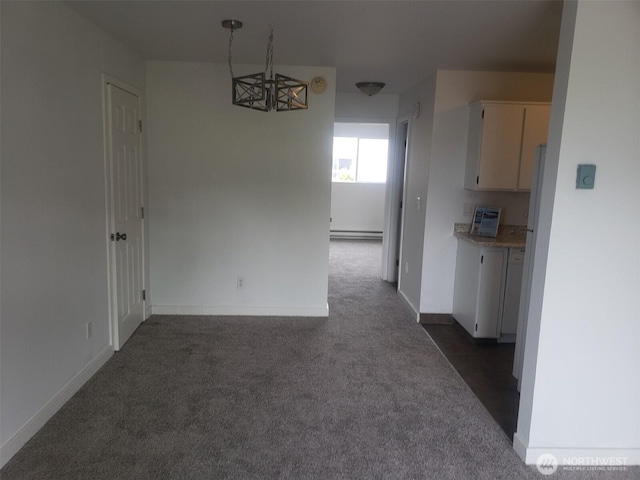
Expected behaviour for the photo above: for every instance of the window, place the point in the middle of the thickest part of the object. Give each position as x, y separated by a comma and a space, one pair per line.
358, 158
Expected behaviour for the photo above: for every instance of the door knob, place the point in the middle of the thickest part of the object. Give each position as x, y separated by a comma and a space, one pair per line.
121, 236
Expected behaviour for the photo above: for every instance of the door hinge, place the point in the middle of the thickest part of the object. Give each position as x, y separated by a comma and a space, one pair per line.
144, 294
113, 237
140, 125
142, 212
476, 327
482, 113
400, 204
397, 262
482, 259
477, 179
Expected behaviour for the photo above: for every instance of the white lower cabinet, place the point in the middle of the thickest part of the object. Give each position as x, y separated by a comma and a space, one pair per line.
479, 289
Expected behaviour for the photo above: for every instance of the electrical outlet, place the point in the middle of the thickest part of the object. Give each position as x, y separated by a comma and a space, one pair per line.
240, 282
89, 330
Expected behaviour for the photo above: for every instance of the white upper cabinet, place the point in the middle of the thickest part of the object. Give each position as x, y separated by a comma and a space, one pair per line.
536, 127
501, 144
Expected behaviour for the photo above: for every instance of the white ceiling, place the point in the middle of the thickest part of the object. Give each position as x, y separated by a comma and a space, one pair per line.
397, 42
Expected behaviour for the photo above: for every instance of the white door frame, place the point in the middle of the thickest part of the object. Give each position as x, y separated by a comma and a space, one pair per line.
393, 214
109, 203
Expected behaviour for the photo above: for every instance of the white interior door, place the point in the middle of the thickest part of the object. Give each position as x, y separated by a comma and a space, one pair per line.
126, 214
394, 197
400, 181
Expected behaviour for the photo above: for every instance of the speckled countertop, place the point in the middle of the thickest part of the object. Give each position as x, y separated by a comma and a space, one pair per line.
509, 236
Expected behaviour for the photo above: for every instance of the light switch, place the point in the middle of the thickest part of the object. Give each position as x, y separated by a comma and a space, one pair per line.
586, 176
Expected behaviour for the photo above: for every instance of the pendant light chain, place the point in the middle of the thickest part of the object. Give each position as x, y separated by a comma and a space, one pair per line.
269, 60
230, 44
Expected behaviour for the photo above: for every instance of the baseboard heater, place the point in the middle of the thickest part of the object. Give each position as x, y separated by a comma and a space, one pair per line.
355, 234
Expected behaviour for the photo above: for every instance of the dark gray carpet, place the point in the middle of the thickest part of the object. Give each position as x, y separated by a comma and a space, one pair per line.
362, 395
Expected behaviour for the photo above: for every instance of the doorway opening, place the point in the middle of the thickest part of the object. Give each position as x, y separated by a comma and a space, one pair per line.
358, 180
368, 177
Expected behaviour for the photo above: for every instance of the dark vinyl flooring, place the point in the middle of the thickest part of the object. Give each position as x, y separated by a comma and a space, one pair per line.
485, 368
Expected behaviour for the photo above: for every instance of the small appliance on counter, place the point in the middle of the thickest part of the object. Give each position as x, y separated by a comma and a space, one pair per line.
485, 221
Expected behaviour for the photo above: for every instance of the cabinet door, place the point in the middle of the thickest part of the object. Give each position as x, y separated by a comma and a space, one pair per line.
500, 152
536, 127
465, 293
479, 286
490, 293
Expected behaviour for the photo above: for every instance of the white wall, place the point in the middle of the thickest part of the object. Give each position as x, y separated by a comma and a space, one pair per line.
581, 380
54, 234
445, 195
235, 192
417, 172
361, 107
357, 207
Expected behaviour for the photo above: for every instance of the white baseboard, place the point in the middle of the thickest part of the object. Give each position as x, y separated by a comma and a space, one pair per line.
578, 457
355, 235
520, 447
251, 311
412, 309
42, 416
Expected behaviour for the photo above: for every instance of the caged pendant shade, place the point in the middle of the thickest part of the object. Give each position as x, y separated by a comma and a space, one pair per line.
263, 91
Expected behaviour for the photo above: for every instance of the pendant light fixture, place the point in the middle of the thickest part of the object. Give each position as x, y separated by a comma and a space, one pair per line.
263, 91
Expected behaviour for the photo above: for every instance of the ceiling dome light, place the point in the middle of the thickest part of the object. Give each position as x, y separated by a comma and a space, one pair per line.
370, 88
